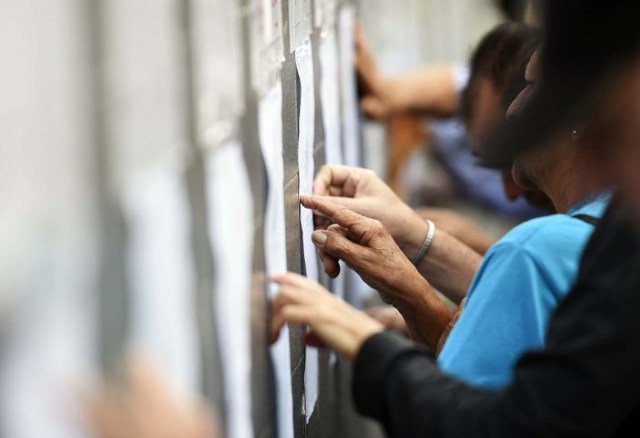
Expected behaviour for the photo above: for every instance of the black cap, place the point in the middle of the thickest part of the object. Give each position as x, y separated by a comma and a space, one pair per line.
585, 41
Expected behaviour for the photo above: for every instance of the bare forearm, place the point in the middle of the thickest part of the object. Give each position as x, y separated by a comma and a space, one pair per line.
478, 241
426, 317
459, 227
449, 265
430, 90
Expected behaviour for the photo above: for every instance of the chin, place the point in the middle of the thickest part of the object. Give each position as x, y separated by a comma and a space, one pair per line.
540, 200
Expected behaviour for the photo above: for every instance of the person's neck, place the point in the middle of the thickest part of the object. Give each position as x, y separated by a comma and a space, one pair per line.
566, 186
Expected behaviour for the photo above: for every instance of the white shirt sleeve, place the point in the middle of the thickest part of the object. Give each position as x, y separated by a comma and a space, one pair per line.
461, 74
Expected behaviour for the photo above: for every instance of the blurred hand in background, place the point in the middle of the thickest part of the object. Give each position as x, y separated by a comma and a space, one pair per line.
145, 408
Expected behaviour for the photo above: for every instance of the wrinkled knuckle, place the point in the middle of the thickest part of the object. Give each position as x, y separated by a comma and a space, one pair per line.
334, 228
377, 226
340, 209
334, 245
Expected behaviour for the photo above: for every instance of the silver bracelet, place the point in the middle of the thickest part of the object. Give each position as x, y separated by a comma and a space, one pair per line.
426, 244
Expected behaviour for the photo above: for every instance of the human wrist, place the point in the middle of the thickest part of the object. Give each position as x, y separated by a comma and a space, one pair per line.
425, 315
412, 236
393, 94
402, 286
426, 244
415, 288
360, 336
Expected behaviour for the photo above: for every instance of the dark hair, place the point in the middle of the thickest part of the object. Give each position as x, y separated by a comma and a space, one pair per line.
501, 57
514, 9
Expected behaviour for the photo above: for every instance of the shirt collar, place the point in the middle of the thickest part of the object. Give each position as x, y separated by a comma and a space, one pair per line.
602, 197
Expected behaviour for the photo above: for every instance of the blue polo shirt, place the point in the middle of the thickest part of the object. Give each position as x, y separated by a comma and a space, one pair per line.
520, 282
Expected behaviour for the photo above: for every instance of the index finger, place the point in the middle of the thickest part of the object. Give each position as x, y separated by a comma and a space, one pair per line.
338, 214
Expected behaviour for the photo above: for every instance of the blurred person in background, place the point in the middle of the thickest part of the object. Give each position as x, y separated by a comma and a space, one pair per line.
497, 76
585, 381
477, 94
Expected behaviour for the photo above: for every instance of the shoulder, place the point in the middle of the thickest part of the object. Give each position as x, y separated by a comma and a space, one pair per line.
550, 235
552, 245
541, 255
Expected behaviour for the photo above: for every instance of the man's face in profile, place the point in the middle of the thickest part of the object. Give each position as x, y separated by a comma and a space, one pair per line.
519, 171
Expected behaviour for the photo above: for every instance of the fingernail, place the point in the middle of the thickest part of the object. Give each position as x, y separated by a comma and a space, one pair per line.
319, 238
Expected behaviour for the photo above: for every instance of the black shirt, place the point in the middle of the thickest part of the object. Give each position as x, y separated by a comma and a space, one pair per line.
585, 382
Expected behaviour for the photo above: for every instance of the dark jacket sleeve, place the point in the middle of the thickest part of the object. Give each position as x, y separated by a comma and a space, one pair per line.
586, 381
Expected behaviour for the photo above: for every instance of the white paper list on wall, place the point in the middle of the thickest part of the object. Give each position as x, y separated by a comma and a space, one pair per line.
231, 229
299, 22
330, 95
358, 290
49, 354
267, 48
325, 15
162, 277
146, 113
146, 117
350, 113
49, 241
270, 128
216, 47
306, 169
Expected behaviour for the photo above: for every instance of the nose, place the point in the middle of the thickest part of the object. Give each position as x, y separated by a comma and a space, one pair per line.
516, 106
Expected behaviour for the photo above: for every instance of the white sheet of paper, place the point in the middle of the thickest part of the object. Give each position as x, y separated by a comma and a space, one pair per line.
162, 277
350, 113
305, 152
358, 290
49, 244
146, 120
270, 127
267, 48
299, 22
231, 227
217, 49
304, 64
330, 95
325, 14
49, 354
